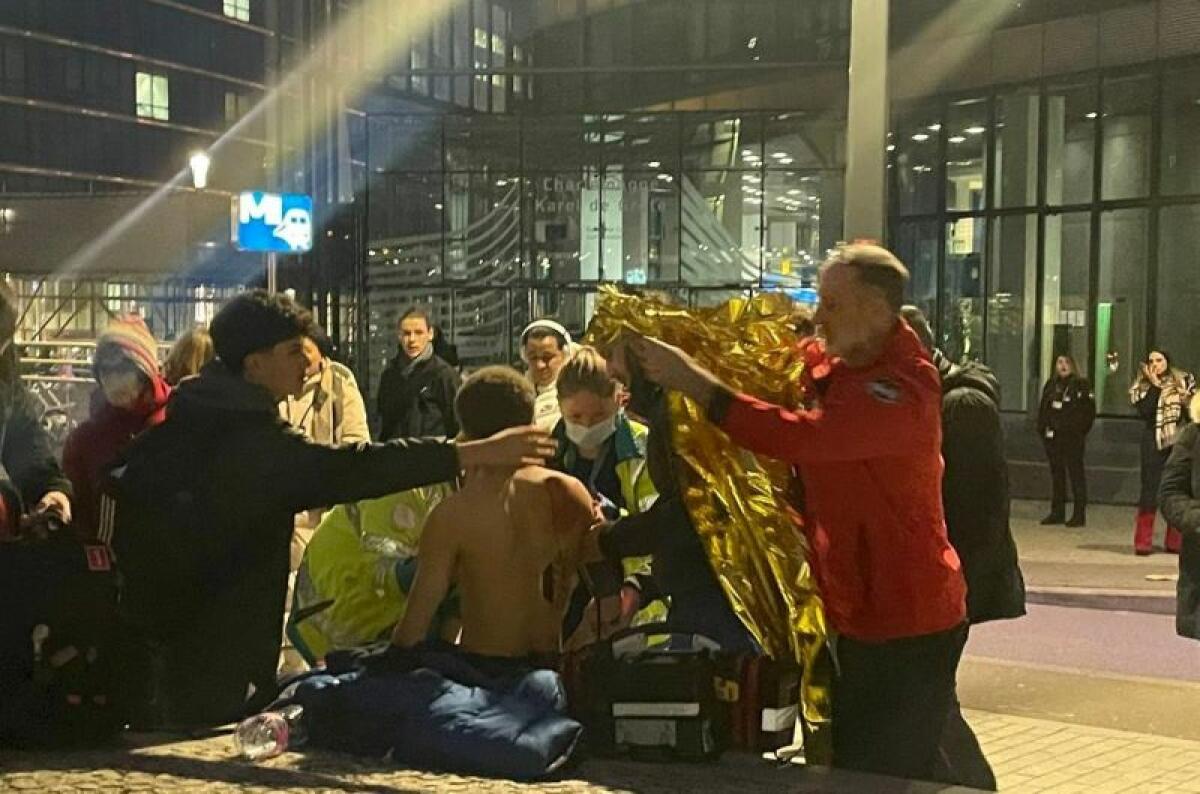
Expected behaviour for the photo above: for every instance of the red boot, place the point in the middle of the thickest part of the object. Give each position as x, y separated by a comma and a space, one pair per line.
1143, 533
1174, 541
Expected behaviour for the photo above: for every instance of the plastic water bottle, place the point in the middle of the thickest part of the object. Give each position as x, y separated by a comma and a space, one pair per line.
271, 733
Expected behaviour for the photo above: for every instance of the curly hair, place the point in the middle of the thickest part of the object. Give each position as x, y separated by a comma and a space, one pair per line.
493, 399
254, 321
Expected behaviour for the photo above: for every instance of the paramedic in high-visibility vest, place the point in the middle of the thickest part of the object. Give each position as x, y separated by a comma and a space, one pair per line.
869, 455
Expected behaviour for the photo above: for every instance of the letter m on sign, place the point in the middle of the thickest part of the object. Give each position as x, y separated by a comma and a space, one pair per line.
267, 207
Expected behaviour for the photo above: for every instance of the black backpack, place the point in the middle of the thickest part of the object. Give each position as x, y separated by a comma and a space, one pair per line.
59, 638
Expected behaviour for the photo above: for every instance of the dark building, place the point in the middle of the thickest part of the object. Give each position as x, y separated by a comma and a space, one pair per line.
103, 104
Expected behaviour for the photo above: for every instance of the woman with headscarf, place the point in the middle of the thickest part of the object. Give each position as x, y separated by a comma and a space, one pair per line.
131, 397
1160, 394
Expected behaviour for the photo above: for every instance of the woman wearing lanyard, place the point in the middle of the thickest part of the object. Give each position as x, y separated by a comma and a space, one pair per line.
606, 451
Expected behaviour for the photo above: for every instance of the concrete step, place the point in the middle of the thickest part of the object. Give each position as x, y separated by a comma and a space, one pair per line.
1150, 602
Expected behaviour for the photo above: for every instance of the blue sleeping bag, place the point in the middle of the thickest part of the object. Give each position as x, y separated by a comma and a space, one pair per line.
443, 710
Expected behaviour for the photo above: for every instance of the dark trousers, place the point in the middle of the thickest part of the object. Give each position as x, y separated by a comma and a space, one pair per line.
1066, 460
891, 704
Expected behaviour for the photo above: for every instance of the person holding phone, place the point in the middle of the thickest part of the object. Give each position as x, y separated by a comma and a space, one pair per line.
1160, 394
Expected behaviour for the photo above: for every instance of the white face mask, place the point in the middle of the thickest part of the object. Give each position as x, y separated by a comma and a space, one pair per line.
592, 437
122, 389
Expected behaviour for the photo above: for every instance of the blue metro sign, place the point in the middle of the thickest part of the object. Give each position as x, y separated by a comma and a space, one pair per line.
273, 222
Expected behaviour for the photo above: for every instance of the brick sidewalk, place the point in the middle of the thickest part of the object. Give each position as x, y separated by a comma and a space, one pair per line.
1031, 755
210, 766
1028, 755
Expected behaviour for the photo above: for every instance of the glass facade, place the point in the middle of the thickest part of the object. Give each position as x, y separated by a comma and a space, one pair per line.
493, 219
541, 149
1055, 217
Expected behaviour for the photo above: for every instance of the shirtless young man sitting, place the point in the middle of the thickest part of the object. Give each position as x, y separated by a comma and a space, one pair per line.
509, 539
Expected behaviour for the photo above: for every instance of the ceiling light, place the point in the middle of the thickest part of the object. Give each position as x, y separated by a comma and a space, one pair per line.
976, 130
654, 164
1092, 115
934, 127
920, 137
956, 139
891, 147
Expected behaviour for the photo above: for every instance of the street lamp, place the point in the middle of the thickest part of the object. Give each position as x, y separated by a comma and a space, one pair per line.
199, 163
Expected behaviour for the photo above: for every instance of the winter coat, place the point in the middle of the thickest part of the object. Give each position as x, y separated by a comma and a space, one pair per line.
94, 445
1179, 495
1154, 454
546, 413
975, 491
235, 474
419, 403
1067, 409
26, 452
870, 460
330, 410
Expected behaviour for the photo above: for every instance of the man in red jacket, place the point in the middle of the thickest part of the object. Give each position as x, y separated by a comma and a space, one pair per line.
869, 455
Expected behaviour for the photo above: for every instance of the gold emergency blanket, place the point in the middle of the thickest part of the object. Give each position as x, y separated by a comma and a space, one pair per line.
737, 501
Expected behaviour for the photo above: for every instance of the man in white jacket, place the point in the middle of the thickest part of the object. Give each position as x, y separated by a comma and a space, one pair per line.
545, 345
330, 411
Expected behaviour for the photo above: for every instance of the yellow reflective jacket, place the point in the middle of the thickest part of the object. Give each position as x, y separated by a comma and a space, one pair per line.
637, 490
356, 560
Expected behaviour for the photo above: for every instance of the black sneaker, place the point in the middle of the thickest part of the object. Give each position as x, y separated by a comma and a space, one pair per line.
1052, 519
1077, 520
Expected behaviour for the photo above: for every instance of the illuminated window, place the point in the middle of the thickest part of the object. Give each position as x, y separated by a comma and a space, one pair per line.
153, 96
237, 9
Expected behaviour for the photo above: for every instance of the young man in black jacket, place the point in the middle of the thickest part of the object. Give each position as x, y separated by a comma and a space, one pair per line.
975, 483
416, 390
976, 502
216, 487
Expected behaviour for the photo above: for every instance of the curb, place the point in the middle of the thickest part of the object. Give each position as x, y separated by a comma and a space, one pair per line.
1149, 602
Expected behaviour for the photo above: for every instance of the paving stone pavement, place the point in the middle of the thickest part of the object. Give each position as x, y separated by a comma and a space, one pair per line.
210, 765
1030, 755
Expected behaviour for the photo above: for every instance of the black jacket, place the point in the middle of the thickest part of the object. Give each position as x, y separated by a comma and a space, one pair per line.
25, 449
235, 474
664, 530
1179, 496
420, 403
1076, 411
975, 491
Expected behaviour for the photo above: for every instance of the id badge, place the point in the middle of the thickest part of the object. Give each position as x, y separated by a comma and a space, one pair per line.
1057, 405
1049, 434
